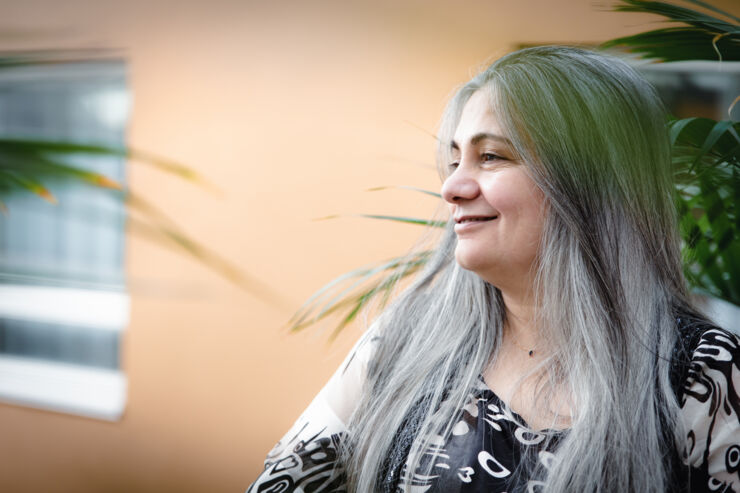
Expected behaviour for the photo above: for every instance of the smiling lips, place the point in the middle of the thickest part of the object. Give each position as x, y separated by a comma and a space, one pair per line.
466, 219
465, 223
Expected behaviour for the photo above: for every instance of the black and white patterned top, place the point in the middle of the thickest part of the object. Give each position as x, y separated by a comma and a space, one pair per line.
488, 442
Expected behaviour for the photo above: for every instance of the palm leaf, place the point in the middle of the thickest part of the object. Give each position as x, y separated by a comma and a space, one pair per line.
676, 13
718, 130
24, 151
707, 166
701, 37
408, 220
159, 227
677, 44
400, 219
28, 164
31, 163
405, 187
355, 289
711, 7
361, 301
54, 56
12, 180
42, 168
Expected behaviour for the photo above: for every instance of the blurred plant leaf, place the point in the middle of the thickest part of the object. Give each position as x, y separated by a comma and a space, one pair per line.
400, 219
39, 161
26, 164
53, 56
706, 158
11, 179
162, 229
354, 289
406, 187
29, 156
701, 37
409, 220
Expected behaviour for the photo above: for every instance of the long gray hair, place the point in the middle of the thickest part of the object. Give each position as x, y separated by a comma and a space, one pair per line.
591, 133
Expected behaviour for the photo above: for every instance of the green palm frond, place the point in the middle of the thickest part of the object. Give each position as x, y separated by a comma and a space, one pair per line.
400, 219
33, 164
706, 158
157, 226
41, 158
53, 56
355, 289
677, 13
408, 220
406, 187
11, 180
44, 161
715, 9
679, 43
700, 37
30, 164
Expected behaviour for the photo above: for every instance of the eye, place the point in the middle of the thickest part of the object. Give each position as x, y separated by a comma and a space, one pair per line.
453, 166
489, 156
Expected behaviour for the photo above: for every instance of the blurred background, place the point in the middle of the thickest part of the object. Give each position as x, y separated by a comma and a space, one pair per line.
152, 372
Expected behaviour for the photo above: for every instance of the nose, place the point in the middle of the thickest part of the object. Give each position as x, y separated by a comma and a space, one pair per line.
459, 186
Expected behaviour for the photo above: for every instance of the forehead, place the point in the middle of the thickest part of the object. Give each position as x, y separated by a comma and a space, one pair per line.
477, 118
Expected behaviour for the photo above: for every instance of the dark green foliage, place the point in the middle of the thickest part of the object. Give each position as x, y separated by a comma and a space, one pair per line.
701, 37
706, 153
706, 158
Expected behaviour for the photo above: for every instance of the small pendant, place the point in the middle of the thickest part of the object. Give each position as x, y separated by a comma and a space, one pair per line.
531, 353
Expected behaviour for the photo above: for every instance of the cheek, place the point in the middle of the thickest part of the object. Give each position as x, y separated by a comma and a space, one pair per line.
513, 193
522, 207
534, 226
531, 210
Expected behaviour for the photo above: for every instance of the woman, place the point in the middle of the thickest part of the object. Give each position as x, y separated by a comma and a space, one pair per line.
551, 344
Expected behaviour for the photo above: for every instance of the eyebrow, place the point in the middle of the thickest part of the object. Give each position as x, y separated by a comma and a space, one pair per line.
482, 136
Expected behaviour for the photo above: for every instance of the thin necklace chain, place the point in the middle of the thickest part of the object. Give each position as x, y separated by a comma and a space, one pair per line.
528, 351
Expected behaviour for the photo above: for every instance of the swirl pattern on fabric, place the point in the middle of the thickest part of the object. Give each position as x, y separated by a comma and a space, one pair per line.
489, 440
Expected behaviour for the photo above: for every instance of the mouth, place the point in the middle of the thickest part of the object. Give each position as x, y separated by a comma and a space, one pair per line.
472, 219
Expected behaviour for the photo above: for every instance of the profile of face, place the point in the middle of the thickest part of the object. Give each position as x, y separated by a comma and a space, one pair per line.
497, 208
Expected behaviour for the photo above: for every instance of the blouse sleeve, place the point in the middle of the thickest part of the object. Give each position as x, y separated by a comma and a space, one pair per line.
306, 459
711, 411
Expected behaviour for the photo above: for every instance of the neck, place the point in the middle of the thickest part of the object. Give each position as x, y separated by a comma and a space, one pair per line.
517, 287
520, 319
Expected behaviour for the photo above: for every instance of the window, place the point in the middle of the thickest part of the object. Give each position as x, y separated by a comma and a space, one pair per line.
63, 299
696, 88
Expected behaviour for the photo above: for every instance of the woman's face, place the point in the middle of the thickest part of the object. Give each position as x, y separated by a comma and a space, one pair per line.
497, 208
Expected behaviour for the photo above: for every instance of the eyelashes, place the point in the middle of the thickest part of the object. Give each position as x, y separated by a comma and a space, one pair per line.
489, 156
486, 157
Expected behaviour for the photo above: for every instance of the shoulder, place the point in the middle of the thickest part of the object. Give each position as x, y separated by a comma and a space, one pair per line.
307, 457
345, 388
710, 407
712, 369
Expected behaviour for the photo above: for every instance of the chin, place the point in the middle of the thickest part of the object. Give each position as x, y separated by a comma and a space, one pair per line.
472, 261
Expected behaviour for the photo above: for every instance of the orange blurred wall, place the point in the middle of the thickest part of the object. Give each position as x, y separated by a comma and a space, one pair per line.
293, 109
